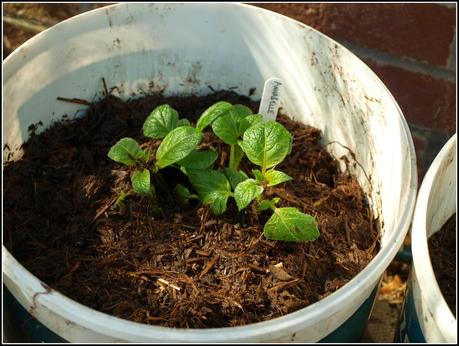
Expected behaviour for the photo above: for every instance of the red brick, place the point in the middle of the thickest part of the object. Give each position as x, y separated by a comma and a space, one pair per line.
420, 31
424, 100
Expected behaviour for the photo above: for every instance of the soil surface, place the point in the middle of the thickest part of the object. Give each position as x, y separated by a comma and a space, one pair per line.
183, 267
442, 251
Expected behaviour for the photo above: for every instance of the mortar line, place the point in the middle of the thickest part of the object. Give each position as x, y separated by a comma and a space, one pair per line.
382, 58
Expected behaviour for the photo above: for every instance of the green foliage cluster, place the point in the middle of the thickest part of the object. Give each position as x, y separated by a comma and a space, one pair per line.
264, 143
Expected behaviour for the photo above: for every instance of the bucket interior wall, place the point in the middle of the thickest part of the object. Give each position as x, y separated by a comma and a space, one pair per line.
442, 198
325, 85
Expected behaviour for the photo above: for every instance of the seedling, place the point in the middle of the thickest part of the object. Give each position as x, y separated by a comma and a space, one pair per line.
265, 143
229, 122
178, 141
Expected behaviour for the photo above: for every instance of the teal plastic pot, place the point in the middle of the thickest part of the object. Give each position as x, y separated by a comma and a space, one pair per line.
183, 49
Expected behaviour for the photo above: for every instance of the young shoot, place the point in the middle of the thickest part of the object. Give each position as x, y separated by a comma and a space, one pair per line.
264, 143
179, 140
229, 123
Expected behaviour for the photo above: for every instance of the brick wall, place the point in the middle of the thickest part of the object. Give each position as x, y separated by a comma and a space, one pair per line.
410, 46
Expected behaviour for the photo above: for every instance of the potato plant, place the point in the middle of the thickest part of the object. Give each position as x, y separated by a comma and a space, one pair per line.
264, 143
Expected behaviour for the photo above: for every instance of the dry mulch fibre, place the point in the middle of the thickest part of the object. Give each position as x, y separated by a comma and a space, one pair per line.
185, 267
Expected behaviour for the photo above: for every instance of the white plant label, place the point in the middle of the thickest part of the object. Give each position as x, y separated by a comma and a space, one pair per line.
270, 99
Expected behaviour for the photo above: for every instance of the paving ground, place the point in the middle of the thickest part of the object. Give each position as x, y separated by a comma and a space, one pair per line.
23, 21
382, 324
384, 317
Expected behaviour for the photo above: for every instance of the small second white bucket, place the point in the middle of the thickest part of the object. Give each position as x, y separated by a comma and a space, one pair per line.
426, 316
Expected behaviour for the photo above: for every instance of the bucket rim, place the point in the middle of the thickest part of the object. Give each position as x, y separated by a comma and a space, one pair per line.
369, 276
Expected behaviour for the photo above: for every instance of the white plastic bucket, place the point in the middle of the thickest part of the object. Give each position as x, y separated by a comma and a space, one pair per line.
183, 49
426, 316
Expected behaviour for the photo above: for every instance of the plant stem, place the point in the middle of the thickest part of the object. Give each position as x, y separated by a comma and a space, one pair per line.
236, 155
231, 160
263, 171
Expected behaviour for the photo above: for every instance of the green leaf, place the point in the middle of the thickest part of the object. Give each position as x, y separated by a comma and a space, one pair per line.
243, 125
162, 120
266, 144
258, 175
212, 113
127, 151
268, 204
182, 193
265, 205
274, 177
254, 119
246, 192
290, 224
183, 122
234, 177
199, 159
183, 169
225, 127
238, 154
212, 187
147, 155
240, 111
140, 181
243, 113
177, 145
231, 125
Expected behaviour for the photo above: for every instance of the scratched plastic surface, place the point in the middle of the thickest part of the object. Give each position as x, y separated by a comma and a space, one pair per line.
426, 316
156, 47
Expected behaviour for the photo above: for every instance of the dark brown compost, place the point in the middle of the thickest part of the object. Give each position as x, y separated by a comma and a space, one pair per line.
184, 267
442, 251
